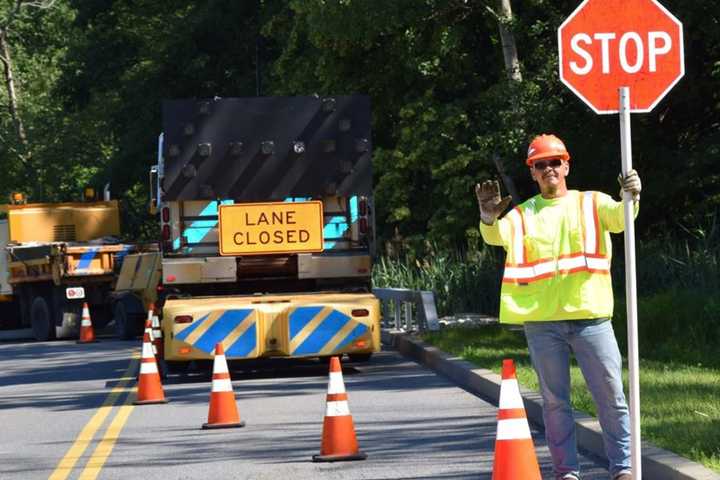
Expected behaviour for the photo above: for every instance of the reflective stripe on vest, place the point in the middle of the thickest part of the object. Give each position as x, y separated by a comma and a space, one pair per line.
518, 234
590, 260
588, 205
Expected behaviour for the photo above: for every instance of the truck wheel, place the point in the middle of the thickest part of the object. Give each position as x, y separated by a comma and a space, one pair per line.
359, 357
41, 320
124, 324
100, 315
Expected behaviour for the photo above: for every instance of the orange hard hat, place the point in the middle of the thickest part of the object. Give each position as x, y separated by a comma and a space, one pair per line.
546, 146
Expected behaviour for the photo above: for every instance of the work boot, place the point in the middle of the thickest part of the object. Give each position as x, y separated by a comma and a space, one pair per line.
570, 476
623, 476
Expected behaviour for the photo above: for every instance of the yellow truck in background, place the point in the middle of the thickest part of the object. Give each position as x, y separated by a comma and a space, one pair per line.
55, 257
267, 233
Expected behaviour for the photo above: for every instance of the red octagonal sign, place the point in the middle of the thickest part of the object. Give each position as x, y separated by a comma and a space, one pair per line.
608, 44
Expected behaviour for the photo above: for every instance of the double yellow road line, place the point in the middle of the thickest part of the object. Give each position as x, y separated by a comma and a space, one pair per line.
107, 442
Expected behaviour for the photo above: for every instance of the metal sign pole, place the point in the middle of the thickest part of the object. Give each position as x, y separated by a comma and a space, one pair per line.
630, 287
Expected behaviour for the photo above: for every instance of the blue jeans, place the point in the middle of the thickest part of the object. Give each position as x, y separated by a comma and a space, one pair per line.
596, 351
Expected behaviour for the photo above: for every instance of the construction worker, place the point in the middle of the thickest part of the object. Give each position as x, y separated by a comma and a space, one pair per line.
557, 284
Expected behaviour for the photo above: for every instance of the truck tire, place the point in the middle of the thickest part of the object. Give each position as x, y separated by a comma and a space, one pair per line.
101, 315
125, 327
41, 319
61, 306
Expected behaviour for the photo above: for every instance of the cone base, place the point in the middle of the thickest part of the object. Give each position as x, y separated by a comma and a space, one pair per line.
339, 458
149, 402
87, 341
212, 426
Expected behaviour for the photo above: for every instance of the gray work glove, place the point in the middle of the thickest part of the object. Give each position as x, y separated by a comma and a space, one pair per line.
489, 201
630, 183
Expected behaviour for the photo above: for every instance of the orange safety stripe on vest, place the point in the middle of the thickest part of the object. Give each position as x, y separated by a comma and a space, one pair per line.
590, 260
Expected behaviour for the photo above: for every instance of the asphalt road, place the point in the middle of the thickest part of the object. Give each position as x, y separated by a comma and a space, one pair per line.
66, 413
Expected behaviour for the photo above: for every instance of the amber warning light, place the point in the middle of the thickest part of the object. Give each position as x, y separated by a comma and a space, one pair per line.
271, 228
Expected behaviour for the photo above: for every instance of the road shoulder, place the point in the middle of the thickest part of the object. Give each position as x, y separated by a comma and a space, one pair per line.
657, 462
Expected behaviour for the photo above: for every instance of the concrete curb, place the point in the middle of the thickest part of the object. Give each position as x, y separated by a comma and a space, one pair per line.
658, 464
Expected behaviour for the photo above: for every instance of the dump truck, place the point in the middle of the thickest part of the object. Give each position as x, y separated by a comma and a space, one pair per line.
265, 211
54, 258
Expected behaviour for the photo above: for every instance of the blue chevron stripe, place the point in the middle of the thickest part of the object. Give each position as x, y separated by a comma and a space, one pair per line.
245, 344
184, 334
322, 334
300, 317
86, 258
222, 327
356, 332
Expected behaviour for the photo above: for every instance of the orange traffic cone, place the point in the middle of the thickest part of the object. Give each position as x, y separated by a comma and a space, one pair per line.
223, 412
338, 439
149, 387
514, 451
87, 334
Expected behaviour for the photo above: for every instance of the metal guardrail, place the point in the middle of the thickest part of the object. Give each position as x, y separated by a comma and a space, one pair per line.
407, 310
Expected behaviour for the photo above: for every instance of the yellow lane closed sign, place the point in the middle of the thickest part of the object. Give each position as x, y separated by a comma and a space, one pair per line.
269, 228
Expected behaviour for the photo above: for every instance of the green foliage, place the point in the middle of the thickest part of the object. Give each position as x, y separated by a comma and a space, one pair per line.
92, 74
37, 42
461, 282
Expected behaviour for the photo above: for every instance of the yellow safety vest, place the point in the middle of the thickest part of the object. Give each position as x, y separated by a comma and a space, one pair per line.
558, 251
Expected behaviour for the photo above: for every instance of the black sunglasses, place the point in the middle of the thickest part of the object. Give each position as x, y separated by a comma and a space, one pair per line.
542, 165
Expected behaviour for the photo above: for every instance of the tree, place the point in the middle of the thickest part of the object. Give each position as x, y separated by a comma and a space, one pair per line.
10, 16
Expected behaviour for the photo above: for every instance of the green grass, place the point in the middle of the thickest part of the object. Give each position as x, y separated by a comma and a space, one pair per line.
680, 403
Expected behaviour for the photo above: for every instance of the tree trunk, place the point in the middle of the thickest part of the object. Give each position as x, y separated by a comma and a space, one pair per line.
23, 152
512, 68
512, 64
507, 180
12, 95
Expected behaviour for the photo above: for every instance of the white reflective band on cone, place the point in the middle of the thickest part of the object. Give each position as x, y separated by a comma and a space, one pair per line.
220, 365
335, 383
510, 395
222, 385
85, 322
337, 409
147, 350
513, 429
148, 367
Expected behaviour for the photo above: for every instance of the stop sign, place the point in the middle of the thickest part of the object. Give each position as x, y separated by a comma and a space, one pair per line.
608, 44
